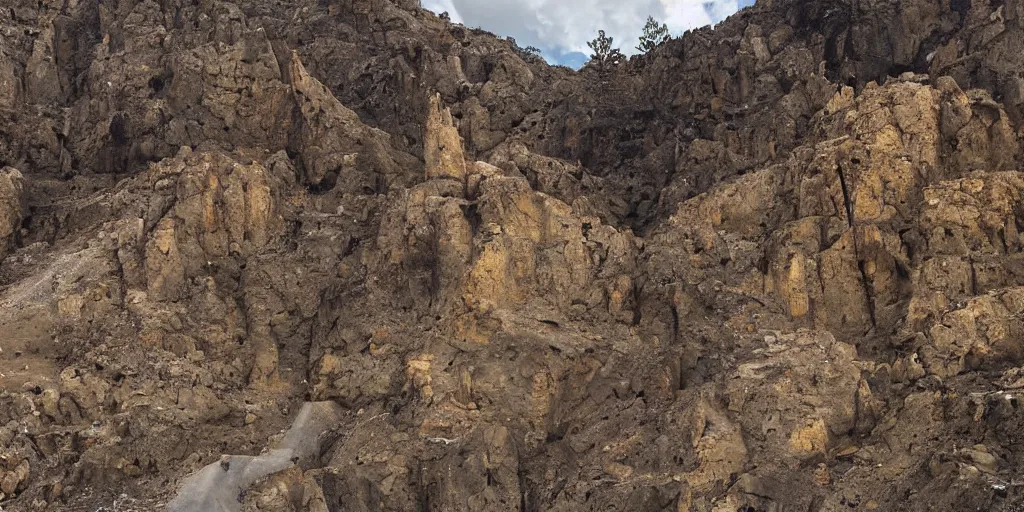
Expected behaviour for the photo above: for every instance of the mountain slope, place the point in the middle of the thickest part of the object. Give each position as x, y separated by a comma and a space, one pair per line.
774, 265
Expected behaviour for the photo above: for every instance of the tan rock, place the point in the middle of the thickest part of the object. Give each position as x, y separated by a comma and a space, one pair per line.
442, 145
418, 372
983, 460
50, 400
804, 422
336, 148
822, 476
977, 334
164, 268
621, 472
809, 439
14, 479
11, 186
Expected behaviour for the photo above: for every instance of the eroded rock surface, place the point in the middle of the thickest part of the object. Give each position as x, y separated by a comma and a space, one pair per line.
774, 265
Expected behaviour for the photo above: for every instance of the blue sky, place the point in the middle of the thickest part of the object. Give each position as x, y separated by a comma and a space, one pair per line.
561, 28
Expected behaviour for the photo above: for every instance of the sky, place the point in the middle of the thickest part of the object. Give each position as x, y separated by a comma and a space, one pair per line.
561, 28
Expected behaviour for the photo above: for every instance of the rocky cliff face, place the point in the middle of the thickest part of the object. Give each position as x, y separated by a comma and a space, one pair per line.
772, 266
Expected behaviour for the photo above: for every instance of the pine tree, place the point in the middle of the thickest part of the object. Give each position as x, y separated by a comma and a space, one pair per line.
604, 54
654, 34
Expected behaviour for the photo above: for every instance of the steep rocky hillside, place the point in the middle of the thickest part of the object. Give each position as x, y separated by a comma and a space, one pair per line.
773, 266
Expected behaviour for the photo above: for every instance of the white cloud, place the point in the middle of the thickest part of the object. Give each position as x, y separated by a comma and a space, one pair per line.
567, 25
682, 15
721, 9
440, 6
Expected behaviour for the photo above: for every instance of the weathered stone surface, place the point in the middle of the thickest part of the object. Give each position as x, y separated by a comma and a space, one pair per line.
774, 264
10, 83
335, 147
442, 146
220, 208
11, 188
805, 385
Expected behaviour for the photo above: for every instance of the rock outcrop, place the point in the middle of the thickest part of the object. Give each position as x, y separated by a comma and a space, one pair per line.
773, 265
11, 188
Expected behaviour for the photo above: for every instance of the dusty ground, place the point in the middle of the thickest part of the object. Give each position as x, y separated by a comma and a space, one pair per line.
772, 266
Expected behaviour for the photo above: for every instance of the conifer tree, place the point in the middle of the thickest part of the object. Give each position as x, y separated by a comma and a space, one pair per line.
604, 54
654, 34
